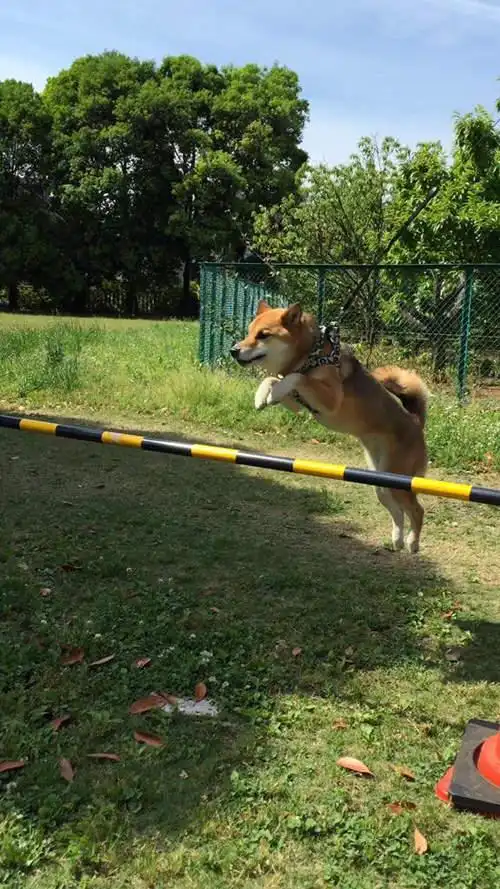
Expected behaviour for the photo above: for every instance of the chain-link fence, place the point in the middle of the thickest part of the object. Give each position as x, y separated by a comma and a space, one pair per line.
441, 319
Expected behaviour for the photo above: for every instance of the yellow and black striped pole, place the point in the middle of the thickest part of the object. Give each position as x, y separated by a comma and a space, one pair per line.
453, 490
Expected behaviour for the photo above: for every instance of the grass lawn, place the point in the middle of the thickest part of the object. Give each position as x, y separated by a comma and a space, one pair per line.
275, 591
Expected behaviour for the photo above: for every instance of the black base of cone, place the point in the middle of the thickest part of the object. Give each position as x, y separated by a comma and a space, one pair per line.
468, 789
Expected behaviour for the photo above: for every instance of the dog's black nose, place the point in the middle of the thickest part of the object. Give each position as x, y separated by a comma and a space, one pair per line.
235, 351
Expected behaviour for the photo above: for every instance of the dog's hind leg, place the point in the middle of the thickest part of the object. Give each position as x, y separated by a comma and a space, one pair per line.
396, 512
376, 460
409, 504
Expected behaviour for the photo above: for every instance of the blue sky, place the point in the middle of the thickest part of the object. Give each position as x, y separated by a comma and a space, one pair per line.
368, 67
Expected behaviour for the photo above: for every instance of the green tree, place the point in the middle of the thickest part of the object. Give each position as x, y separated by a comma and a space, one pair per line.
99, 171
158, 167
340, 215
235, 136
28, 250
461, 224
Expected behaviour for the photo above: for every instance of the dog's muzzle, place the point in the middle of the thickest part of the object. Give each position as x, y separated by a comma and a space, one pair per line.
246, 356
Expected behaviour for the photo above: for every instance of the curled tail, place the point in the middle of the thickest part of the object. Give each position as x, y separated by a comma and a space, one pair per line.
408, 387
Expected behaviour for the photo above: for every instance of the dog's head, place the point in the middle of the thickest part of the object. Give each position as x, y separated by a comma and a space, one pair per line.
275, 337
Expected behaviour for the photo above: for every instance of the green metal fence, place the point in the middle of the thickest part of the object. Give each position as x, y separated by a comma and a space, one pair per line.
442, 319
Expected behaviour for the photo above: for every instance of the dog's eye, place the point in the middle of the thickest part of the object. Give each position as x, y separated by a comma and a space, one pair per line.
263, 335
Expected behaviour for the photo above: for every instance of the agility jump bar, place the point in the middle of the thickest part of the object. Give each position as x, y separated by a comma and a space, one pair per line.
417, 485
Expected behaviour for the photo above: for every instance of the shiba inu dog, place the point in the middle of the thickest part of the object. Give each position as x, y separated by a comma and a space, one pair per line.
385, 409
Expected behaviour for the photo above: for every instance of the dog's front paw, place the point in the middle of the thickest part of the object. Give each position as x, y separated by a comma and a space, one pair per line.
280, 389
263, 395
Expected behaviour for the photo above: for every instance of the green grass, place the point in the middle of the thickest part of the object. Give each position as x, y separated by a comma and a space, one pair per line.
144, 370
217, 573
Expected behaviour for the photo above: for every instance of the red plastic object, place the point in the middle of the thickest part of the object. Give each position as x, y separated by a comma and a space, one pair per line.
488, 759
442, 788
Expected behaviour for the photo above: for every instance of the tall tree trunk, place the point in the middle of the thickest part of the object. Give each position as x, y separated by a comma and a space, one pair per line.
188, 307
13, 295
439, 357
132, 304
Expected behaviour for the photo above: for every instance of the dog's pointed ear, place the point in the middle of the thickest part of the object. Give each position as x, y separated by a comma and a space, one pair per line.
262, 307
292, 316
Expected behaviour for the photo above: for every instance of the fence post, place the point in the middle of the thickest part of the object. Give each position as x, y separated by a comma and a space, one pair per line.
463, 358
203, 298
223, 300
213, 314
321, 295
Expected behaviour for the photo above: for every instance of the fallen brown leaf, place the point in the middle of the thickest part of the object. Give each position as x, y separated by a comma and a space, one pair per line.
102, 660
214, 610
399, 808
151, 702
113, 757
170, 699
8, 765
200, 691
143, 662
339, 724
69, 566
67, 771
59, 721
151, 740
354, 765
315, 441
74, 656
420, 843
296, 652
404, 772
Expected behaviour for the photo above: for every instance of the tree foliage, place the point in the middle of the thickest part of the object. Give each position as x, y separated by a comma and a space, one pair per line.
131, 171
388, 204
123, 174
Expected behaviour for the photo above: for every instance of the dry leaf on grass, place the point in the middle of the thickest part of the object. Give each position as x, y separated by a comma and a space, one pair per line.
200, 691
143, 662
354, 765
67, 771
8, 765
339, 724
102, 660
420, 843
45, 591
112, 757
151, 702
74, 656
59, 721
150, 740
404, 772
296, 652
169, 699
399, 808
69, 566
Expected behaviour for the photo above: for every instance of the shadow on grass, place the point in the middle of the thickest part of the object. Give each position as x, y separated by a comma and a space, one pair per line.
214, 572
478, 660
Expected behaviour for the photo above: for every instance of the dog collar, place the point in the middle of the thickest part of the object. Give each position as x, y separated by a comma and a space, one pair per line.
328, 334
